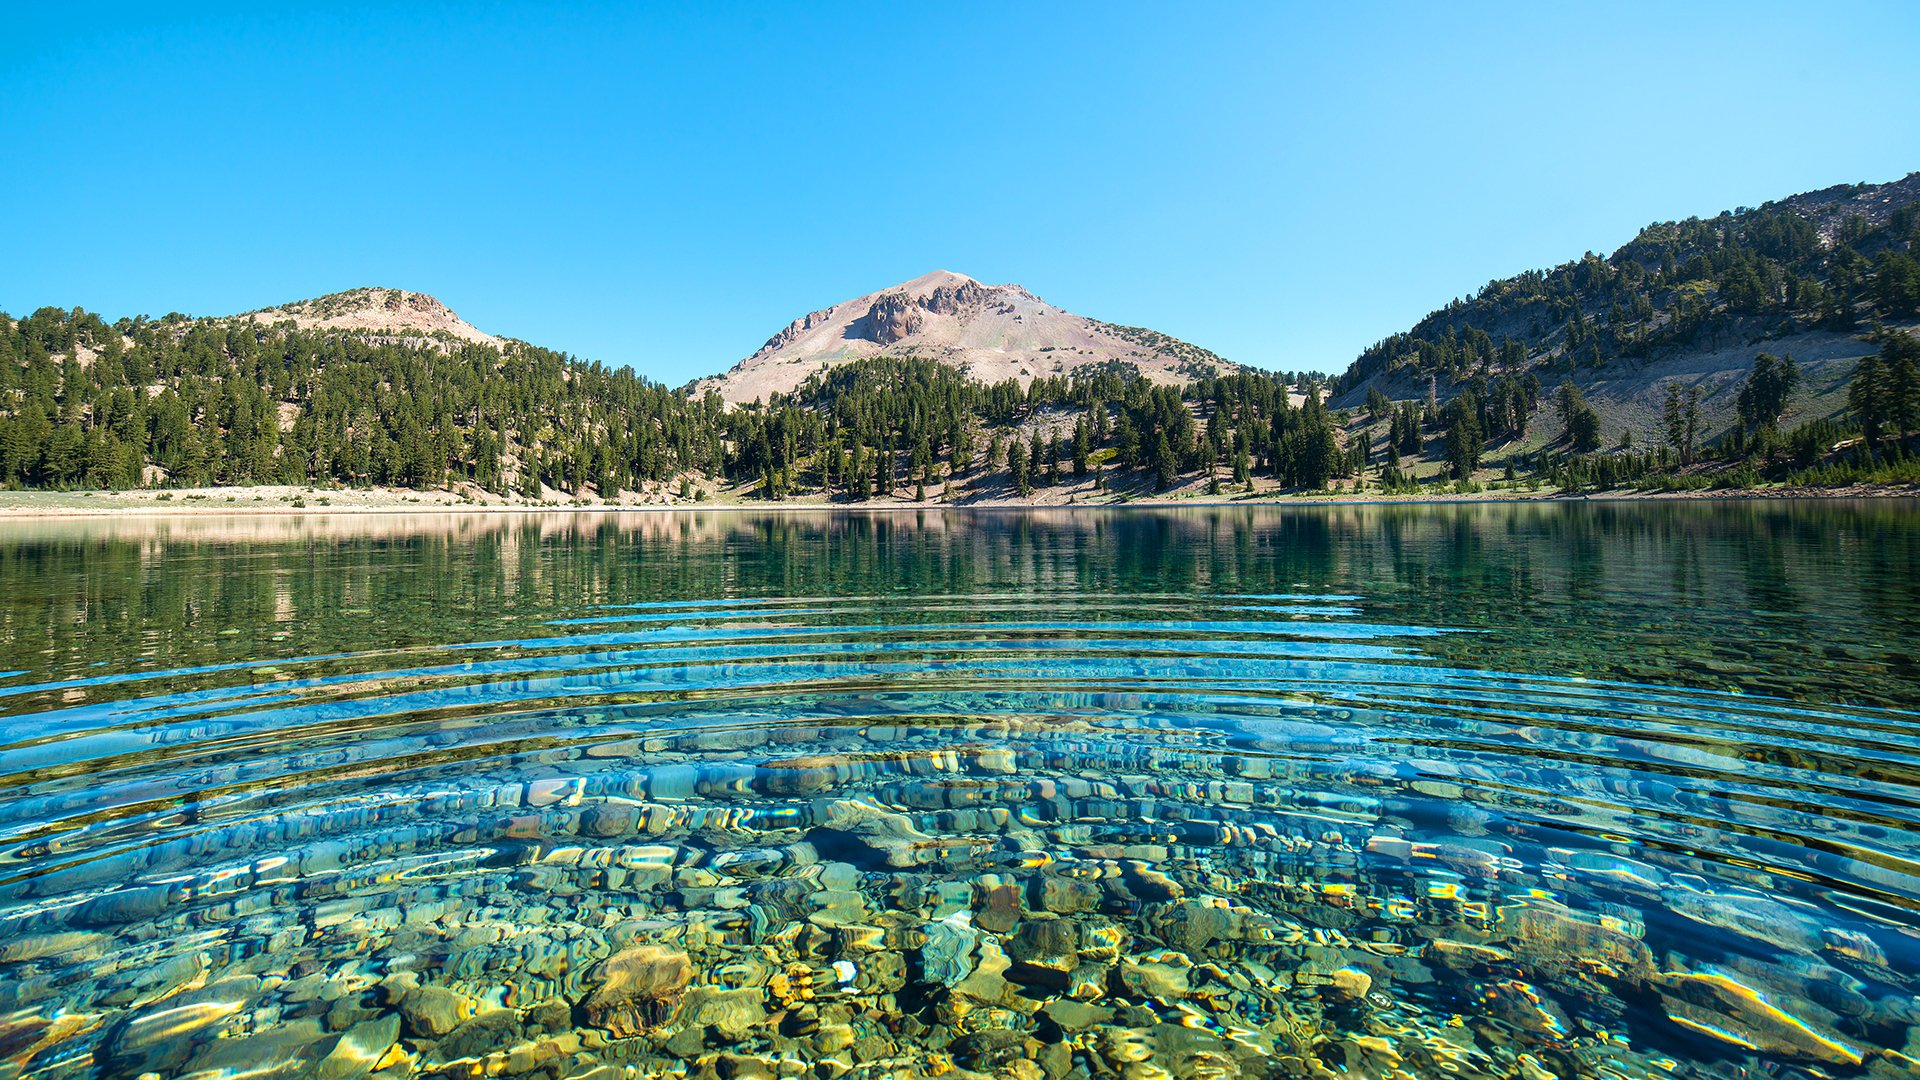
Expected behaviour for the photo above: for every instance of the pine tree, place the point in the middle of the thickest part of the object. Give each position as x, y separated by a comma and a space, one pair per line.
1764, 392
1900, 372
1017, 469
1464, 437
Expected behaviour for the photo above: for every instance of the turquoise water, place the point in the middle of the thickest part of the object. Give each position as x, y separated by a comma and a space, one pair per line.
1584, 790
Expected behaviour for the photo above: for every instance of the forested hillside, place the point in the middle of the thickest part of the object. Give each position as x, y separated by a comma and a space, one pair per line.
177, 402
1835, 260
192, 402
1761, 345
877, 427
1769, 344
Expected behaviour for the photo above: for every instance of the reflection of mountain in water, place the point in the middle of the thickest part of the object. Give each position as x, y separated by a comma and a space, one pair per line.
1803, 600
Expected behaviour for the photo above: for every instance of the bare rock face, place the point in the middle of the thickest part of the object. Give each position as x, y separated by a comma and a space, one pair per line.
796, 328
959, 298
892, 317
898, 315
417, 303
638, 989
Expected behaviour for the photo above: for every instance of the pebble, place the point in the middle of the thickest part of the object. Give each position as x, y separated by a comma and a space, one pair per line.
909, 906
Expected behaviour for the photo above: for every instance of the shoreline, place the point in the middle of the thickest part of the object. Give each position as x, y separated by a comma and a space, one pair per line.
231, 502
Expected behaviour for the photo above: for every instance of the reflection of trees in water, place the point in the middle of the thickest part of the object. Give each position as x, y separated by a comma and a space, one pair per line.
1812, 599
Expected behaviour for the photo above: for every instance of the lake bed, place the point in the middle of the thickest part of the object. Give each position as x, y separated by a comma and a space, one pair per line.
1573, 790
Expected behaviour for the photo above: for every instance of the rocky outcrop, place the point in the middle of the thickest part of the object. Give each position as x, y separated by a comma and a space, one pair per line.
796, 328
891, 318
377, 312
956, 298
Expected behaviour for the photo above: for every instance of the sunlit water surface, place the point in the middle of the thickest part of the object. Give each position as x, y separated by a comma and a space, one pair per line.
1495, 791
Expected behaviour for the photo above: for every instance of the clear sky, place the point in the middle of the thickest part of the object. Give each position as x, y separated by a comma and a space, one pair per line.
667, 185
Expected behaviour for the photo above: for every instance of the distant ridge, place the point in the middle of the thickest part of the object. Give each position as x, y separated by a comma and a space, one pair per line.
375, 310
990, 332
1689, 303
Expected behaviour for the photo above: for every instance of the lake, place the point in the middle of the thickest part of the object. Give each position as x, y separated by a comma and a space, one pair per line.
1500, 790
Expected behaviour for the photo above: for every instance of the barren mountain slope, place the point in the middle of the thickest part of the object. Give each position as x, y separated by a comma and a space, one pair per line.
376, 311
992, 332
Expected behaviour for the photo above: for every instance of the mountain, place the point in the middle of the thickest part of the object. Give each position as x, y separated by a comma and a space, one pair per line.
946, 390
368, 389
1691, 301
381, 312
992, 333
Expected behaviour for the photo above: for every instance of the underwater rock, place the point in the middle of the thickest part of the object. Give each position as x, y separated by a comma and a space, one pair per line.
847, 830
480, 1036
1351, 983
1757, 917
1050, 942
730, 1014
1726, 1009
1088, 982
1076, 1015
535, 1058
807, 775
1465, 955
74, 946
1142, 882
1523, 1007
123, 906
998, 908
1122, 1047
743, 1067
283, 1051
1162, 976
990, 1049
610, 819
637, 988
832, 1038
22, 1038
1853, 945
989, 982
160, 1039
1197, 922
432, 1011
553, 790
1101, 940
360, 1050
947, 956
1063, 896
1563, 942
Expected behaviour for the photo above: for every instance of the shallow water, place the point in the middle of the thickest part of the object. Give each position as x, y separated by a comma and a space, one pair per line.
1505, 790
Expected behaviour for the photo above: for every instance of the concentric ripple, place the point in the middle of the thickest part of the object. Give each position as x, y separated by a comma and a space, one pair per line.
1039, 832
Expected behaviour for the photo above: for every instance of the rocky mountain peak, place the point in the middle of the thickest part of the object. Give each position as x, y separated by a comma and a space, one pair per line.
991, 332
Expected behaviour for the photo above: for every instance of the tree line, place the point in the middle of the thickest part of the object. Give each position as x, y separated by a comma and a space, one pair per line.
178, 402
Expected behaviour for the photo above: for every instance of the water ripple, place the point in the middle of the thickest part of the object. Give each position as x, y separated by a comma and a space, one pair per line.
1298, 820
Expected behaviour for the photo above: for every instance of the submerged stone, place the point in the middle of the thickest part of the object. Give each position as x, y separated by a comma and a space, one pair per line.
1733, 1012
432, 1011
947, 956
729, 1014
637, 988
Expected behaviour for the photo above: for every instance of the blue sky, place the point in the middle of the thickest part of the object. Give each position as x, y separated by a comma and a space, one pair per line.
667, 185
